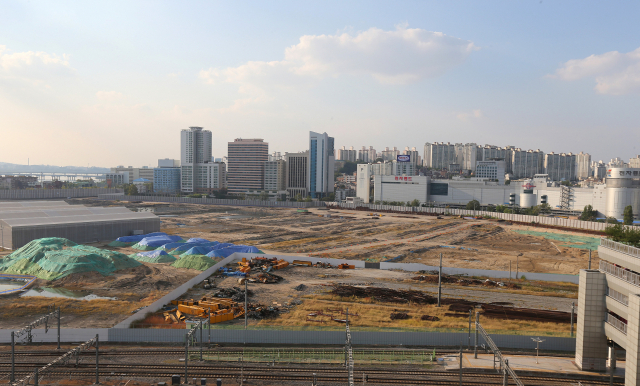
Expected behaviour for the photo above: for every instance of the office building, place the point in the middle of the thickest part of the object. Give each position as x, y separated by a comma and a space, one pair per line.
321, 164
246, 164
117, 179
491, 170
168, 163
583, 166
526, 163
404, 168
166, 180
195, 155
400, 188
275, 175
297, 174
134, 173
363, 182
560, 167
17, 182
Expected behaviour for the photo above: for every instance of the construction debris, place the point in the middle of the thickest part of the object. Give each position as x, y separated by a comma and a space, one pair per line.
399, 315
300, 287
429, 318
235, 293
216, 309
260, 311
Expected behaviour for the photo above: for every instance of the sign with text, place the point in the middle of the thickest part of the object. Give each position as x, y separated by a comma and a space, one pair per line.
403, 158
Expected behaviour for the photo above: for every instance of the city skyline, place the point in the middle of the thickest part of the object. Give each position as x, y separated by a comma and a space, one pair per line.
108, 84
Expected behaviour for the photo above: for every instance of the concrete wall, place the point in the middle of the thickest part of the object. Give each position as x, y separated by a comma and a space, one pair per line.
31, 194
591, 341
391, 338
214, 201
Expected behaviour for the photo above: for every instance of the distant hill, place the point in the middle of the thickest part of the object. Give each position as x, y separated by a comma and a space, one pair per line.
8, 168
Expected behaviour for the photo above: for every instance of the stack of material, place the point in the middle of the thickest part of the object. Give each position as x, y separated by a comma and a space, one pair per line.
153, 257
126, 241
150, 243
197, 262
219, 309
53, 258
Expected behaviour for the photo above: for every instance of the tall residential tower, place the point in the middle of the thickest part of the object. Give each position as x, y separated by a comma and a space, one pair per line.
321, 164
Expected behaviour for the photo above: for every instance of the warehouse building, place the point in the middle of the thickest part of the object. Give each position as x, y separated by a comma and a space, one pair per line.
24, 221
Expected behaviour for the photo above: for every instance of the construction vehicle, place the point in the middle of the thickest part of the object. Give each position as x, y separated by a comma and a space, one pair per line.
301, 262
218, 309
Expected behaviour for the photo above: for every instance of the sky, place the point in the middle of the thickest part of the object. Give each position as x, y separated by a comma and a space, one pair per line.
106, 83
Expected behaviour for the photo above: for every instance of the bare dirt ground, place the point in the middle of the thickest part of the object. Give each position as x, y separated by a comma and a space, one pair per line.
486, 244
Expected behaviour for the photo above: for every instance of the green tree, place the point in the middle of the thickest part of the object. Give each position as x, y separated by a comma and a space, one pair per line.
473, 205
415, 202
622, 234
349, 168
611, 220
264, 196
491, 208
298, 197
588, 214
628, 215
131, 190
308, 199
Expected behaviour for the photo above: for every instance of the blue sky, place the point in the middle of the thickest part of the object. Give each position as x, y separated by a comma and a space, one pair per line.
111, 83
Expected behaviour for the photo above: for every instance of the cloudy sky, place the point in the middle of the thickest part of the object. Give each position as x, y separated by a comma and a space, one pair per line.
112, 83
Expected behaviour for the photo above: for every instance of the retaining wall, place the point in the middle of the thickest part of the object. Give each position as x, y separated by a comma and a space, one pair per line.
38, 194
214, 201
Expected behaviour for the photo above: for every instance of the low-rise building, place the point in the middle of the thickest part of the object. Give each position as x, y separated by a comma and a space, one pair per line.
401, 188
493, 170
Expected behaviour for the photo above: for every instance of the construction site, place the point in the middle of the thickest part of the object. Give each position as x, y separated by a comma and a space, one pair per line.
276, 271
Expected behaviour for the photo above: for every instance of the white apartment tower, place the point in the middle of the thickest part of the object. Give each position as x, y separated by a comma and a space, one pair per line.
195, 151
321, 164
583, 166
560, 167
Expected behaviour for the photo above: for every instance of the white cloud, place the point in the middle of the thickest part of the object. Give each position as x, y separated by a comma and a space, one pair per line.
109, 96
34, 67
475, 114
615, 73
399, 56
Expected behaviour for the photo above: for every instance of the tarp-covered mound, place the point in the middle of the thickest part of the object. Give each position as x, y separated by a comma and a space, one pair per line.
199, 262
53, 258
226, 252
185, 247
153, 242
153, 257
197, 250
126, 241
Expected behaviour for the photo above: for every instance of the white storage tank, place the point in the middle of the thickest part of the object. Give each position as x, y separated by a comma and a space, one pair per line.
527, 200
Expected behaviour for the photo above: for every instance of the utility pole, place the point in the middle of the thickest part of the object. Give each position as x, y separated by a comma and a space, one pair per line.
460, 363
186, 358
517, 265
97, 359
245, 303
538, 341
440, 281
572, 310
612, 363
475, 349
470, 316
201, 341
505, 379
58, 327
589, 258
13, 359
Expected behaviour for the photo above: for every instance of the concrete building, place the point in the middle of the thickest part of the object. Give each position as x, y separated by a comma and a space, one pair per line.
24, 221
195, 151
166, 180
17, 182
560, 167
401, 188
363, 182
367, 155
416, 158
609, 310
117, 179
635, 162
297, 174
623, 189
344, 154
526, 163
488, 153
401, 168
246, 164
210, 176
143, 185
275, 175
583, 166
168, 163
467, 155
321, 164
134, 173
441, 155
599, 170
491, 170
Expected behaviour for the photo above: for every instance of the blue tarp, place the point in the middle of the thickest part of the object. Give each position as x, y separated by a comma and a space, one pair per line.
186, 246
198, 240
156, 241
152, 254
137, 238
226, 252
197, 250
170, 246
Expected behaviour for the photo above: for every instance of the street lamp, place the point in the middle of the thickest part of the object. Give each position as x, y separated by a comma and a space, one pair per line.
538, 341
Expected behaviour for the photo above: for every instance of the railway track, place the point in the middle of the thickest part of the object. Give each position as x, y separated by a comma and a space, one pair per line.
294, 374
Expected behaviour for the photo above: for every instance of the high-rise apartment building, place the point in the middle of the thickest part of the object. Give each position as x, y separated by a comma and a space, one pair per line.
441, 155
246, 164
635, 162
197, 173
560, 167
414, 155
297, 171
583, 166
275, 175
389, 154
526, 163
345, 154
321, 164
488, 153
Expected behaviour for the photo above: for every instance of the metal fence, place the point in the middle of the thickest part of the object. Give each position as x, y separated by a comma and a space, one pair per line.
616, 323
30, 194
551, 221
214, 201
617, 296
623, 248
619, 272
